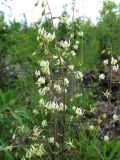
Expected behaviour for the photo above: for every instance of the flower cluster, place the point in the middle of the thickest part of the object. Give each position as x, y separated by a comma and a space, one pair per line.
79, 112
44, 90
54, 106
45, 67
35, 150
57, 88
40, 81
113, 62
45, 35
79, 75
66, 82
37, 73
65, 44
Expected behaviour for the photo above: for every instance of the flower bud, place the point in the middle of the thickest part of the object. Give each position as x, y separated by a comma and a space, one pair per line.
43, 4
36, 4
91, 127
43, 12
104, 116
106, 138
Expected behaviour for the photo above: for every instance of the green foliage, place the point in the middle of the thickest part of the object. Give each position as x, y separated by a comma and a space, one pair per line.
19, 110
108, 26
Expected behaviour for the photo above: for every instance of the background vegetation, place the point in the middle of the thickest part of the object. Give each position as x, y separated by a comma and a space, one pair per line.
19, 94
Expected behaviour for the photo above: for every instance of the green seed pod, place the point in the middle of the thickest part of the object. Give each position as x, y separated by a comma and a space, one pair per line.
43, 12
99, 121
36, 4
39, 21
104, 116
43, 4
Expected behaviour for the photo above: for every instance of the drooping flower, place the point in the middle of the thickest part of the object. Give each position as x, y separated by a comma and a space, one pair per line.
106, 94
34, 53
106, 138
115, 117
51, 140
57, 88
102, 76
103, 51
63, 20
44, 63
62, 107
35, 150
49, 37
71, 67
44, 123
115, 68
79, 75
66, 81
45, 67
75, 47
43, 91
37, 73
77, 42
65, 44
73, 53
80, 34
69, 144
74, 108
105, 62
41, 80
79, 112
36, 131
42, 102
91, 127
54, 106
60, 61
113, 61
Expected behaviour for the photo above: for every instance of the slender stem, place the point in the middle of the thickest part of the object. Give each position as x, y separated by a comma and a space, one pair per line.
82, 52
73, 17
64, 94
110, 81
